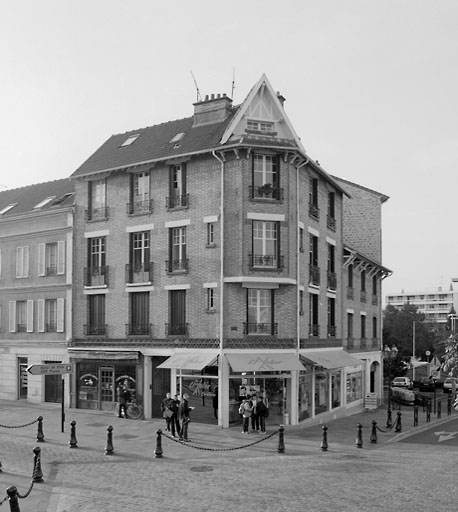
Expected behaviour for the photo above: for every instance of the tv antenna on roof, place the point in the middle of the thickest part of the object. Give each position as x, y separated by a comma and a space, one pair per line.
199, 98
233, 83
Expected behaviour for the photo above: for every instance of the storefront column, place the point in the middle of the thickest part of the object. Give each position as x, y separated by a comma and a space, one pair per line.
294, 409
223, 390
147, 387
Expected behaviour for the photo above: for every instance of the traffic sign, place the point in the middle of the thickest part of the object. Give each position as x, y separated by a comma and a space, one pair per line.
51, 369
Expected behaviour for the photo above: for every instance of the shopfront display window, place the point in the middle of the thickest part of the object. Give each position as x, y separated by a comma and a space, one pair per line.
203, 395
321, 392
354, 390
335, 388
305, 395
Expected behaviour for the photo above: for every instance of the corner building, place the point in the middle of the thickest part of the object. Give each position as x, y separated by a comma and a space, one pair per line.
209, 259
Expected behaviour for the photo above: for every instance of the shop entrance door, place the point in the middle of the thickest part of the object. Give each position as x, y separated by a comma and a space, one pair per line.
107, 388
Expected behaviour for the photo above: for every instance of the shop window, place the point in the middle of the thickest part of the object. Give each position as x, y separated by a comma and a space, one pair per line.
321, 392
353, 387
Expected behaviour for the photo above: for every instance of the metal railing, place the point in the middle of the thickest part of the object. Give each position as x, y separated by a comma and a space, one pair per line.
96, 276
139, 273
269, 328
177, 201
137, 207
139, 329
176, 329
177, 265
97, 213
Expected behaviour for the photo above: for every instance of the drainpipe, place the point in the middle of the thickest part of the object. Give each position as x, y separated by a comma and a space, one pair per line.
223, 413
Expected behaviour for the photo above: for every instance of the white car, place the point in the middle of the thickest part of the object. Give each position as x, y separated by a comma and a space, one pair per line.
402, 382
448, 383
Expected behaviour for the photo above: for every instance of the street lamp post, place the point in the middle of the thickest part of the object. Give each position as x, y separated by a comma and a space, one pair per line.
389, 355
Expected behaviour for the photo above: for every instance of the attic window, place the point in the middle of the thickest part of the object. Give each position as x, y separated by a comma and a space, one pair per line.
7, 208
130, 140
260, 126
44, 202
177, 137
59, 201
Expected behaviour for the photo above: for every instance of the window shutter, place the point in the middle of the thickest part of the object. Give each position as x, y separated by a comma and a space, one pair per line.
25, 272
60, 315
12, 316
0, 318
61, 257
41, 315
0, 263
41, 259
19, 258
30, 316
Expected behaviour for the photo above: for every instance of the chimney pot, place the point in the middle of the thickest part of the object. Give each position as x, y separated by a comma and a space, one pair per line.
212, 96
206, 97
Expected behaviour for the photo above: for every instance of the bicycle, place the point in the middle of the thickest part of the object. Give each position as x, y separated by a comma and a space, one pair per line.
134, 410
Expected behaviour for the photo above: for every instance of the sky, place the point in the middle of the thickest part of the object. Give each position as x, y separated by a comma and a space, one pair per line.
370, 85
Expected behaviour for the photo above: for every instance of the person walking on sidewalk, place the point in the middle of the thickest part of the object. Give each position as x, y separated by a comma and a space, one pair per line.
261, 411
246, 409
183, 414
121, 398
174, 405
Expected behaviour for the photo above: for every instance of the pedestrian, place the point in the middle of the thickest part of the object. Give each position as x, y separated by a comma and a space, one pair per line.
183, 414
215, 402
262, 412
254, 415
246, 410
173, 406
166, 412
121, 399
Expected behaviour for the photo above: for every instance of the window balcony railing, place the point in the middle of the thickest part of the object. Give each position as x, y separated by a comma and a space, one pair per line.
50, 327
96, 276
332, 223
97, 213
140, 207
350, 343
374, 300
21, 328
363, 296
139, 273
314, 275
350, 293
363, 342
178, 201
332, 280
269, 328
138, 329
332, 329
376, 343
51, 270
314, 211
177, 266
265, 261
266, 192
314, 330
95, 329
176, 329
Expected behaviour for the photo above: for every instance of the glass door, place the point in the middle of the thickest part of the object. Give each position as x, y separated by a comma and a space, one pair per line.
107, 388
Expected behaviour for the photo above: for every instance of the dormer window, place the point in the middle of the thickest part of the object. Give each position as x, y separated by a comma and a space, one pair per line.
260, 126
177, 137
130, 140
44, 202
7, 208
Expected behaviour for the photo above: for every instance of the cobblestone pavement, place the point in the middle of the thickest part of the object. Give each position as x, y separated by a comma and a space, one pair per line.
213, 473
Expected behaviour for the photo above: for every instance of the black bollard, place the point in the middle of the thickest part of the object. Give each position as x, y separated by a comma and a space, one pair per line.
109, 450
373, 438
415, 415
359, 436
439, 409
40, 435
37, 475
389, 421
428, 413
398, 426
73, 442
324, 442
13, 499
449, 405
158, 451
281, 439
0, 467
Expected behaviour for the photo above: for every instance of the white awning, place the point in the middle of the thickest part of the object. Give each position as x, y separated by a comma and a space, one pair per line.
264, 362
189, 360
330, 358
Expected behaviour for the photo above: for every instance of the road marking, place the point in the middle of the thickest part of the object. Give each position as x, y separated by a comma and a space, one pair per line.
445, 436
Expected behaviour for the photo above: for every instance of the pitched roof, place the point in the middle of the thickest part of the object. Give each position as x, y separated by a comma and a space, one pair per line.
26, 198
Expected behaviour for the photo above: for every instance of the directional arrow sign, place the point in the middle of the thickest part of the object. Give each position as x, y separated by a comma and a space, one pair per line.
50, 369
445, 436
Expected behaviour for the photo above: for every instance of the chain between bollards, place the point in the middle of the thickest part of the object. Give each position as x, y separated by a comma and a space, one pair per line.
73, 441
324, 442
109, 450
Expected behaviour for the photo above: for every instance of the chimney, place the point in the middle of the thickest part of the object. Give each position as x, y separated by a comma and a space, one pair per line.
281, 98
212, 110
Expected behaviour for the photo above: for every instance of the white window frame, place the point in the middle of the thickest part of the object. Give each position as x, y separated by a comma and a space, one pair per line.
22, 261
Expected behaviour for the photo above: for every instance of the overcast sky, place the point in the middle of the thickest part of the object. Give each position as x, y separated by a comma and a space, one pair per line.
371, 88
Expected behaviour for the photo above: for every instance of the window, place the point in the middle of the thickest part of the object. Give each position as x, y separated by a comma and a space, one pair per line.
44, 202
177, 313
140, 195
177, 250
139, 314
301, 302
97, 271
7, 208
96, 315
363, 286
314, 327
178, 196
211, 299
350, 325
374, 327
314, 270
332, 211
130, 140
314, 211
260, 312
51, 258
210, 234
265, 244
97, 206
139, 269
21, 316
301, 240
260, 126
51, 315
22, 261
266, 177
332, 278
350, 276
363, 327
331, 316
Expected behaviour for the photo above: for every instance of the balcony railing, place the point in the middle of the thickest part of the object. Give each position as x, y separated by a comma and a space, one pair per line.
332, 280
51, 270
376, 343
350, 343
174, 329
177, 265
95, 329
314, 330
266, 192
363, 296
178, 201
332, 329
363, 343
50, 327
269, 328
350, 293
21, 328
96, 276
314, 211
332, 223
374, 300
314, 275
139, 207
97, 213
139, 273
265, 262
138, 329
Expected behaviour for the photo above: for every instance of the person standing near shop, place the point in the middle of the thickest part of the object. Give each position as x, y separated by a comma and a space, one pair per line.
246, 409
174, 404
166, 414
262, 412
121, 398
215, 402
254, 415
183, 414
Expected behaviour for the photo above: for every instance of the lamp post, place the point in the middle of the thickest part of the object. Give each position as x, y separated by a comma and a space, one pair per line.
389, 355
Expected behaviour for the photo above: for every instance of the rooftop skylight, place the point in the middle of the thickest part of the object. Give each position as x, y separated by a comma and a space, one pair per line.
130, 140
177, 137
7, 208
44, 202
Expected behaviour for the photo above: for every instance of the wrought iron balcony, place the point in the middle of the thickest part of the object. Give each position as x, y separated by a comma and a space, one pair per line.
363, 296
140, 207
97, 213
332, 330
51, 270
96, 276
139, 329
332, 280
177, 265
314, 330
178, 201
139, 273
350, 293
50, 327
266, 192
332, 223
314, 211
270, 328
314, 275
176, 329
95, 329
363, 343
350, 343
266, 262
374, 300
21, 328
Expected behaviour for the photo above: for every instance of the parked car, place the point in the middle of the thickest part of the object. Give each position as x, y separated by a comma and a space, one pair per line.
426, 384
448, 383
402, 382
